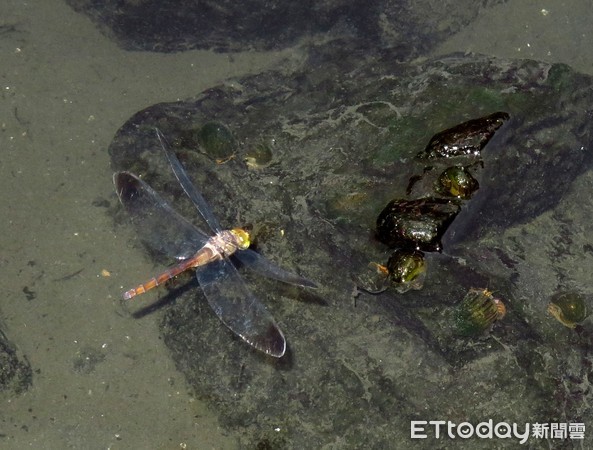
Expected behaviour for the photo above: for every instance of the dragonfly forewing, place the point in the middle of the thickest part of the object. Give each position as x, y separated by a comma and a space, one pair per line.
238, 308
189, 188
157, 223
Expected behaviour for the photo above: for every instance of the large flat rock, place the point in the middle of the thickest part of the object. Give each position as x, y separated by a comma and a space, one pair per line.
343, 131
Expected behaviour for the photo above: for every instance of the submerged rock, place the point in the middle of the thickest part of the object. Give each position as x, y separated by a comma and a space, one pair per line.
346, 132
223, 25
15, 371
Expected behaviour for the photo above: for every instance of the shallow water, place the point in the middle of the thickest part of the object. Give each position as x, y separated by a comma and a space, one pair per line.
101, 378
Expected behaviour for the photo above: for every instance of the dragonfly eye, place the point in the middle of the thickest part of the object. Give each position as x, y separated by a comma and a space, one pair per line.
243, 238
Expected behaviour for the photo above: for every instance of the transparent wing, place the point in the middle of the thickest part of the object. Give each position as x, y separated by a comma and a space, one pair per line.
260, 264
238, 308
156, 222
248, 257
189, 188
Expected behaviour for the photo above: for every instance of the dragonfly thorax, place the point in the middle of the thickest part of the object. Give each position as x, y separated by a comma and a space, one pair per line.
227, 242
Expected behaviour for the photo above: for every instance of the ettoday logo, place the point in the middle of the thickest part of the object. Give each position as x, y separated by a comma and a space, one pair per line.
419, 429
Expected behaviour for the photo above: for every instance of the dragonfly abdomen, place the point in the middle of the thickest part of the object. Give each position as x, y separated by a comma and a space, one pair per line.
222, 244
203, 256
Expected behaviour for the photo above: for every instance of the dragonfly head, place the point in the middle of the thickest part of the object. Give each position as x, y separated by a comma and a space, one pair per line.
243, 238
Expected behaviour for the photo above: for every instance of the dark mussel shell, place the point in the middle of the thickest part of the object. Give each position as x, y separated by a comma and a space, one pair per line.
467, 138
416, 224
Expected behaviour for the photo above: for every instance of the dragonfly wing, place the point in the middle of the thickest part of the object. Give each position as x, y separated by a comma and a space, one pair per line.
238, 308
189, 188
157, 223
260, 264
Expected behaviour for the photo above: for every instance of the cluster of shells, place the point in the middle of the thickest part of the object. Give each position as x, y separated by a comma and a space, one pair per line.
415, 224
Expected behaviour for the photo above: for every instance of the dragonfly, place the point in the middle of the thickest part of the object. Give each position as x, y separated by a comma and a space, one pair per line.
214, 256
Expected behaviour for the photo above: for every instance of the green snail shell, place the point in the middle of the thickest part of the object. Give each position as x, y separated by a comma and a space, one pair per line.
568, 307
217, 141
407, 270
477, 312
258, 156
458, 182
